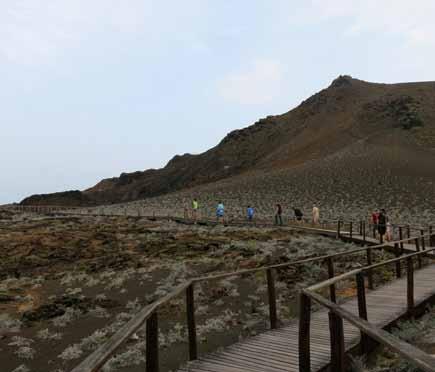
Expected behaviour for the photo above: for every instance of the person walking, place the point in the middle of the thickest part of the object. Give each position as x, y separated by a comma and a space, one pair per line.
298, 214
195, 207
375, 220
278, 215
316, 215
389, 234
250, 213
220, 212
382, 224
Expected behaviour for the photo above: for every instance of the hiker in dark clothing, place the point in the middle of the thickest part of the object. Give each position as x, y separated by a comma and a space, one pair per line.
382, 224
298, 214
278, 215
375, 220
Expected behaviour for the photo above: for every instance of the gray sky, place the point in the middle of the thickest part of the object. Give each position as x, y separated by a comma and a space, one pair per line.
93, 88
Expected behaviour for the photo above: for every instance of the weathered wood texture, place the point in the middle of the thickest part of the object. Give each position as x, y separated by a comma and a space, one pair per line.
277, 350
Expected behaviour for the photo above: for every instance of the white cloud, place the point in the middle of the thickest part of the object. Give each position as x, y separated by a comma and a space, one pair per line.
260, 84
37, 30
412, 21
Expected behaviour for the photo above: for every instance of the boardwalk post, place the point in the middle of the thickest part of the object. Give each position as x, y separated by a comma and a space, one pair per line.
410, 285
360, 227
338, 228
350, 229
190, 312
337, 342
408, 231
364, 231
304, 332
423, 244
272, 298
152, 344
417, 248
401, 237
398, 264
369, 272
431, 237
362, 310
332, 295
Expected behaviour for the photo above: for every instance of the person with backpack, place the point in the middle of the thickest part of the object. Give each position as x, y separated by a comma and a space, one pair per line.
298, 214
220, 211
250, 213
195, 207
278, 215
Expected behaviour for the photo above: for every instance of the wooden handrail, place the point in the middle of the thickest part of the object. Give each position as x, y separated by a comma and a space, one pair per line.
100, 356
416, 356
337, 314
329, 282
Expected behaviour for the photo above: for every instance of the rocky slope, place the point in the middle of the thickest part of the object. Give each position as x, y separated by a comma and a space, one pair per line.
377, 125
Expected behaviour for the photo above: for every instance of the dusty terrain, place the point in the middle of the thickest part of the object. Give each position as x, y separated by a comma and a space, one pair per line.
68, 283
339, 185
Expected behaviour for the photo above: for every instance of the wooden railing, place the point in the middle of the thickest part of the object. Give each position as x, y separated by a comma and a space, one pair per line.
362, 227
368, 330
149, 314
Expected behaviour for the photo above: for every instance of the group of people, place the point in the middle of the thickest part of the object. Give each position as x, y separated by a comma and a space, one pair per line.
382, 225
298, 215
250, 213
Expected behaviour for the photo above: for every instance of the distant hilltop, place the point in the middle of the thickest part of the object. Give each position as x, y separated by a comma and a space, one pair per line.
348, 112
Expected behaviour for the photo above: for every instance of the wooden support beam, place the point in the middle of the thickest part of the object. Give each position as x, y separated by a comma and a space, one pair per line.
191, 327
272, 298
304, 333
369, 272
362, 310
152, 343
423, 244
401, 238
338, 229
417, 248
332, 295
364, 231
338, 351
398, 263
410, 285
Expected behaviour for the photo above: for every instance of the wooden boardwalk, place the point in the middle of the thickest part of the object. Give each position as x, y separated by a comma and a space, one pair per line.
277, 350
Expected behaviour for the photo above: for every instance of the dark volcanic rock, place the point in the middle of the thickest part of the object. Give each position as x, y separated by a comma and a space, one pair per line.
59, 306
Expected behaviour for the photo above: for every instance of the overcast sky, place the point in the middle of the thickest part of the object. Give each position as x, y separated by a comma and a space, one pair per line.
93, 88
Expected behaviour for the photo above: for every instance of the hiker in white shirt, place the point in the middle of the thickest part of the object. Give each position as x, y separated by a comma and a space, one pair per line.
316, 215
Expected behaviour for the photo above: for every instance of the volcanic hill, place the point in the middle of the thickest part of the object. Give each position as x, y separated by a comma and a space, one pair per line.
350, 139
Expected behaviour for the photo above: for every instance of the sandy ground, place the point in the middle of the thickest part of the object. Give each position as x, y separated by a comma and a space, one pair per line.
68, 283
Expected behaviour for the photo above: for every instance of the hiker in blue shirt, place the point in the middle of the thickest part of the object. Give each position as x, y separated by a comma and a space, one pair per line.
220, 211
250, 213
